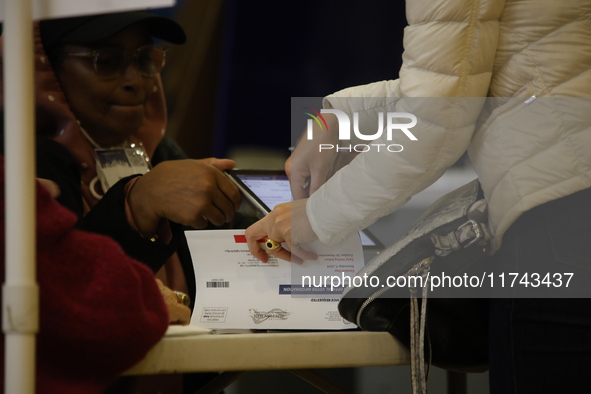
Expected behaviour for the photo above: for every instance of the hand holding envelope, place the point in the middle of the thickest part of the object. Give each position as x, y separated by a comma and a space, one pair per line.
287, 223
235, 290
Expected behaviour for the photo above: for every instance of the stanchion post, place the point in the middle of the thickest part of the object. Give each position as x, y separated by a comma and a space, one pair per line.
20, 309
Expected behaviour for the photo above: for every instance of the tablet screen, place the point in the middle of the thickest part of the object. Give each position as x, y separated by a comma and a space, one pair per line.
270, 189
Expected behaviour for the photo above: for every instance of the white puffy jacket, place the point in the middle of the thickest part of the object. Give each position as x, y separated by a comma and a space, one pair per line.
530, 146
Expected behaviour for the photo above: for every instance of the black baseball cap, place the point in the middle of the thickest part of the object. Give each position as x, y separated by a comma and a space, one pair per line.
93, 28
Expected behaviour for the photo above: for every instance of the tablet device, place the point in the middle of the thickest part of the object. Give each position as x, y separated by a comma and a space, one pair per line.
263, 189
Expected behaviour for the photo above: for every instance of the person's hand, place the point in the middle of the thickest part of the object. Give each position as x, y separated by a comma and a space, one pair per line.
51, 186
177, 312
287, 223
307, 168
188, 192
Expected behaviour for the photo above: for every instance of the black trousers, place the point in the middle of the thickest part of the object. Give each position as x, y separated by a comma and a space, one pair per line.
540, 336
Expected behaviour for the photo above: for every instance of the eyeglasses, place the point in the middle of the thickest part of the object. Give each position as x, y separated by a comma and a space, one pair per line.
111, 62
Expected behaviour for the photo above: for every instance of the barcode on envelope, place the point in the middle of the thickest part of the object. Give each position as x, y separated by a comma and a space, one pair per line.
217, 283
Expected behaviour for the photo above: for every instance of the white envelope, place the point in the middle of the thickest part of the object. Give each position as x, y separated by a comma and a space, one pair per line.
237, 291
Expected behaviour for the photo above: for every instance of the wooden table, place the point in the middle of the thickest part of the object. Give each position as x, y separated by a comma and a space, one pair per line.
298, 352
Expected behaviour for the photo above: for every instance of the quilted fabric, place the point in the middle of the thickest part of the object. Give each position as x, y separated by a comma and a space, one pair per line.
506, 81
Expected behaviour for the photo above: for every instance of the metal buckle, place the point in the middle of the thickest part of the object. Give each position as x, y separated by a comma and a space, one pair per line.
476, 228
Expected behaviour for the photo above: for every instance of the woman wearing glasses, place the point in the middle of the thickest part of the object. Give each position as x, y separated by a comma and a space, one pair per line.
101, 117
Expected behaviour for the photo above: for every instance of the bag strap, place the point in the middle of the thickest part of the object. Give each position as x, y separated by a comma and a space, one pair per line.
465, 236
473, 231
417, 327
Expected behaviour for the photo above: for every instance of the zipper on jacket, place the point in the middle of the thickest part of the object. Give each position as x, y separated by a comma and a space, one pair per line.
530, 100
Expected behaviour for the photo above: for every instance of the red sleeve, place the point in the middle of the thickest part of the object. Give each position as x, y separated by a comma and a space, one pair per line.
100, 310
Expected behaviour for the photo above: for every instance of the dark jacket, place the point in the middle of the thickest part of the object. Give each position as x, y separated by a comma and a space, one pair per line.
108, 215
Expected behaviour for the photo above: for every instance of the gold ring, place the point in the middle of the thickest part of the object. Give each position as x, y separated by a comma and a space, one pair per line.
272, 245
182, 298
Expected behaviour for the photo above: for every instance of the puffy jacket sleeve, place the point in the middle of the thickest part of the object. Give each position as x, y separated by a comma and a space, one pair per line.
447, 65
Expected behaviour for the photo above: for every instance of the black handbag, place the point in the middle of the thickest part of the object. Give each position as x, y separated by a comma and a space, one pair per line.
452, 331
